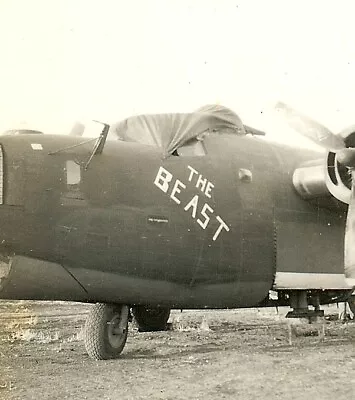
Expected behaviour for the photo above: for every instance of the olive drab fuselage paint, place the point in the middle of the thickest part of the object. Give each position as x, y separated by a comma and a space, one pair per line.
216, 230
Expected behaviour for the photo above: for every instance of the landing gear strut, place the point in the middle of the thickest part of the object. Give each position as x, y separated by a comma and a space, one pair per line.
299, 302
106, 330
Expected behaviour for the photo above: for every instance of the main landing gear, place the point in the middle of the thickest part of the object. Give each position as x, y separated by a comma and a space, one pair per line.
151, 319
106, 327
299, 302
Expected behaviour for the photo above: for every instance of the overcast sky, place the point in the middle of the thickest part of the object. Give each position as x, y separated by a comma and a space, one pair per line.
108, 59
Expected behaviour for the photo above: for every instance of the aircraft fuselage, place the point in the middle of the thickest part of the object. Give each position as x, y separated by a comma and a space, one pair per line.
216, 230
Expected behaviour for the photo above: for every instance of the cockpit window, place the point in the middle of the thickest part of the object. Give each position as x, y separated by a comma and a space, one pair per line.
73, 173
73, 196
192, 148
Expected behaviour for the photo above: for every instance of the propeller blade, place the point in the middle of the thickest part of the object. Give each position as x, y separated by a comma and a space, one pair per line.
309, 128
77, 129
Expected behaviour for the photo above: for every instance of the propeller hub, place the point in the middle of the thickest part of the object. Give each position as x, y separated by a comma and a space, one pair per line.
346, 157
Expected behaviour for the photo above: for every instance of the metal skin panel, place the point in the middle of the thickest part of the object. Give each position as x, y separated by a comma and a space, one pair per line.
310, 238
187, 232
32, 279
310, 281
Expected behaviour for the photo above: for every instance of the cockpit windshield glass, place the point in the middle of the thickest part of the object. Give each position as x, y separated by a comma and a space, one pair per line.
192, 148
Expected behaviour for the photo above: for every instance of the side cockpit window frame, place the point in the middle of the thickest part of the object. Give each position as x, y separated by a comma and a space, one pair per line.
73, 174
193, 148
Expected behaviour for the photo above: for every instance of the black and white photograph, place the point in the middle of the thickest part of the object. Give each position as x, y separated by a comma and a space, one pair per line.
177, 205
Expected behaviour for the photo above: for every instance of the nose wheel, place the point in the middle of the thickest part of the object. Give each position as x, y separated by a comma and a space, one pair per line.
106, 330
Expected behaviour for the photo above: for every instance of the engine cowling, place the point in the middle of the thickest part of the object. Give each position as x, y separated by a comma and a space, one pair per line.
317, 179
338, 176
309, 180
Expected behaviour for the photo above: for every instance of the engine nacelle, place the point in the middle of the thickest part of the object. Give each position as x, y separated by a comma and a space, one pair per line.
310, 180
317, 179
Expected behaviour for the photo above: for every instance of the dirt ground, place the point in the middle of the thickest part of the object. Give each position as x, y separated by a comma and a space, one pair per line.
239, 354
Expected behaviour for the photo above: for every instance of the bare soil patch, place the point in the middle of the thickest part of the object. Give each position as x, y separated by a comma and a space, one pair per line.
236, 354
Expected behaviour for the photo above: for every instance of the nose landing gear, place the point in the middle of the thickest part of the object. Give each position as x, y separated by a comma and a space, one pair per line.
106, 330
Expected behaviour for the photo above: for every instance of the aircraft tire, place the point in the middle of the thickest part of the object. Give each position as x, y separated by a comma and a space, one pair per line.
106, 331
151, 319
